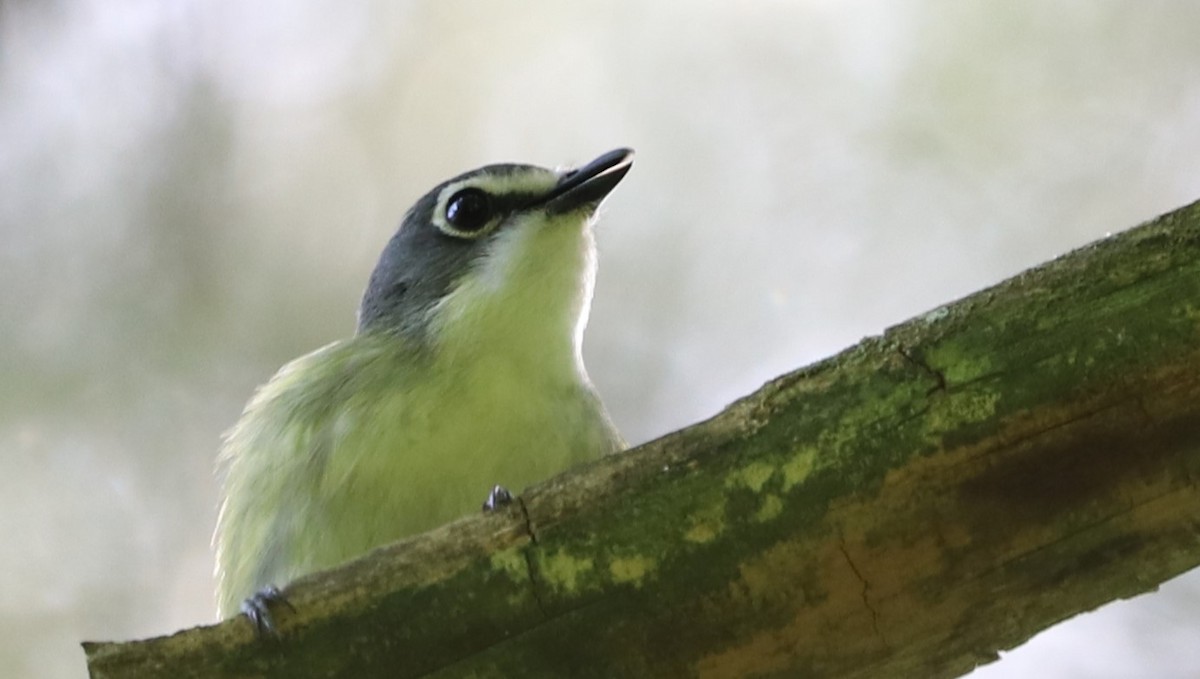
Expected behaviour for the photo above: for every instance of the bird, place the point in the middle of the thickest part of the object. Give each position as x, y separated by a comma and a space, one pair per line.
465, 371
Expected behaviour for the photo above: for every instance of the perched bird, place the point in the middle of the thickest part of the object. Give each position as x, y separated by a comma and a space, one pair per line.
465, 371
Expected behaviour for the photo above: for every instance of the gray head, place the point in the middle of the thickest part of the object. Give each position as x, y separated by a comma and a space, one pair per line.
493, 243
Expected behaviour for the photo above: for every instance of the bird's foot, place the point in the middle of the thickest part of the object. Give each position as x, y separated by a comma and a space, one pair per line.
257, 609
499, 497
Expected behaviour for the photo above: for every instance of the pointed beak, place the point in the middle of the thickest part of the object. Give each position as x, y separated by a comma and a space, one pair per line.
585, 187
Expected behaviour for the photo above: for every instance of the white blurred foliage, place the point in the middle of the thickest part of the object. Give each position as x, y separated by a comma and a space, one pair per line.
192, 193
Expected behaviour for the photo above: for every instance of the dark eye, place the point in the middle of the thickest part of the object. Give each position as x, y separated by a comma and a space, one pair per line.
469, 210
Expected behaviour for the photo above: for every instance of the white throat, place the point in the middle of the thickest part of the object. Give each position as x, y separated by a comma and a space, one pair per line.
526, 301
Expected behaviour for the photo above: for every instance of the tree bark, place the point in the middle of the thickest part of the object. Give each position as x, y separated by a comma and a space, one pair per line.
906, 508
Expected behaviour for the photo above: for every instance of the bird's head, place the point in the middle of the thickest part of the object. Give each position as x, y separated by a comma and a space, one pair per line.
501, 253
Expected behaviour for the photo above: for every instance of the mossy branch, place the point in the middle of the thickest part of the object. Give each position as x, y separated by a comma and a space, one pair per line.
906, 508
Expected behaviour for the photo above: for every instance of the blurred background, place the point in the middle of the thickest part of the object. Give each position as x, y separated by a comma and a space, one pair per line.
193, 192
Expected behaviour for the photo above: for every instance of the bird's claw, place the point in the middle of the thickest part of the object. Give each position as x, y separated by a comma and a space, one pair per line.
499, 497
257, 609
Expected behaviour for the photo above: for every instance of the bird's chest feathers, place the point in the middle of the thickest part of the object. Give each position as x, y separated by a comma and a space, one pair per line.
505, 398
506, 389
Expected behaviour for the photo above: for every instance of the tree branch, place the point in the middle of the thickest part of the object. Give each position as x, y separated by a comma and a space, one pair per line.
905, 508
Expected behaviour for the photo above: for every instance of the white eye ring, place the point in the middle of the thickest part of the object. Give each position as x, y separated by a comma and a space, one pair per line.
497, 186
469, 211
465, 211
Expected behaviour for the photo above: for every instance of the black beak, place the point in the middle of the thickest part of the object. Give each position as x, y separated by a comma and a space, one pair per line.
585, 187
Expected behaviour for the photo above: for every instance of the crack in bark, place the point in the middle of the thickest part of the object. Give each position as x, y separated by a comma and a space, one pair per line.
938, 376
530, 567
866, 587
